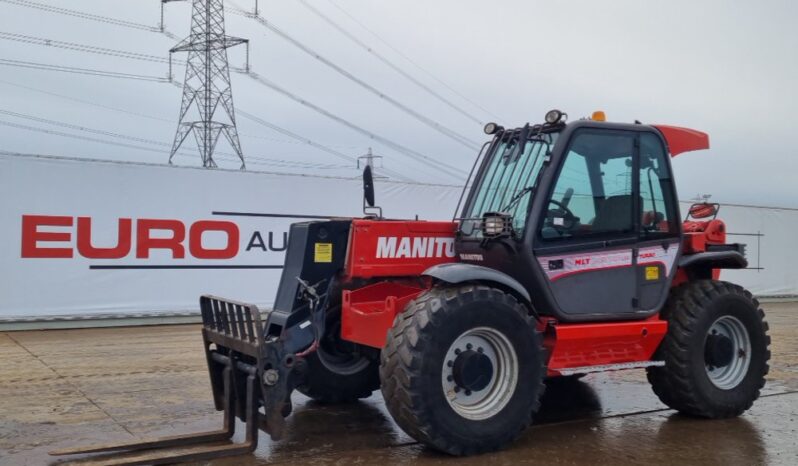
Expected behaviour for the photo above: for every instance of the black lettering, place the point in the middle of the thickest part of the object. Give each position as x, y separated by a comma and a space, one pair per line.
257, 241
271, 242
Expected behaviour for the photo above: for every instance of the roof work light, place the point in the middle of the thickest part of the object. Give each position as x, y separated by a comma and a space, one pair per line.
555, 116
492, 128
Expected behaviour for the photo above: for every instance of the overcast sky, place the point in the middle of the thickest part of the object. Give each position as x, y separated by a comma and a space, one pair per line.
729, 68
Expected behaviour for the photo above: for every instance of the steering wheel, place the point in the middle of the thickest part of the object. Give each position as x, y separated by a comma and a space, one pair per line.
569, 219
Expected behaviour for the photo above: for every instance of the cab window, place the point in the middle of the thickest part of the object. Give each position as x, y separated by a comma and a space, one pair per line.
593, 192
656, 194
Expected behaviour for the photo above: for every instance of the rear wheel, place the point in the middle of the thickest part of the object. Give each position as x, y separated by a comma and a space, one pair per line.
339, 371
462, 370
716, 350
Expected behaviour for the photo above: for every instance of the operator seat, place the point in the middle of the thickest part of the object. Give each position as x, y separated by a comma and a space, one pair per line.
615, 214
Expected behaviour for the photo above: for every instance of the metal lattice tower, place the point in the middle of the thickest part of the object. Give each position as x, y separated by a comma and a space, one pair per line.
207, 87
371, 160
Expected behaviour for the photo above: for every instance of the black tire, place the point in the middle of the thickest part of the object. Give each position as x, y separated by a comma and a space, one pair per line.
339, 371
684, 382
412, 368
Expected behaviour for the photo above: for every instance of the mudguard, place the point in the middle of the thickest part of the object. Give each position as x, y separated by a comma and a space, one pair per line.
459, 272
715, 260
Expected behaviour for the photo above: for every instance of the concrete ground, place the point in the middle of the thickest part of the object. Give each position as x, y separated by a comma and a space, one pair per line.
69, 387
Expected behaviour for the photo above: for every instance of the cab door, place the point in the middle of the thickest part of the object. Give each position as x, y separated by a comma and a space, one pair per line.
588, 237
659, 241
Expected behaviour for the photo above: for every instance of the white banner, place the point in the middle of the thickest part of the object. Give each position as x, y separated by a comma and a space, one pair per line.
83, 238
769, 236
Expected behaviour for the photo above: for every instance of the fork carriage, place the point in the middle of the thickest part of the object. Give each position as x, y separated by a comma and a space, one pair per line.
244, 370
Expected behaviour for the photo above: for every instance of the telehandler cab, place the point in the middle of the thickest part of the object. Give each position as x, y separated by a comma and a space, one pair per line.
569, 256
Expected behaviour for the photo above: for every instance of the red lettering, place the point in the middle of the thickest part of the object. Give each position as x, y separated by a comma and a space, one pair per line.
144, 242
31, 236
121, 249
195, 239
583, 261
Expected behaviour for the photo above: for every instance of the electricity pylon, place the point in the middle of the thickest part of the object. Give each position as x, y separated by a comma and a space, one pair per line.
207, 85
370, 160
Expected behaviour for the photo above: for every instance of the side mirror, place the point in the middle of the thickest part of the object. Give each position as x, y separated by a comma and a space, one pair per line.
368, 186
368, 194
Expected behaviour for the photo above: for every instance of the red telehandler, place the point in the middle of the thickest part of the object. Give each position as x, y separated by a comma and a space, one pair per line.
569, 256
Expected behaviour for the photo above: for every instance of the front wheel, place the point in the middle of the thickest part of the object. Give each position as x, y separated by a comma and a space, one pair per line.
715, 352
339, 371
462, 370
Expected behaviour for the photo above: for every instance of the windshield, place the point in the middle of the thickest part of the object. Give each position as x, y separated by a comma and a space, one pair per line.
507, 180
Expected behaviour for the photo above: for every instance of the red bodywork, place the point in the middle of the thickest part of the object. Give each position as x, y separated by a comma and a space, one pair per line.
683, 139
392, 255
597, 344
698, 234
386, 259
398, 248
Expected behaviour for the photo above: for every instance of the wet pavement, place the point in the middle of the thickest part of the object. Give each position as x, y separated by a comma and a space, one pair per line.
61, 389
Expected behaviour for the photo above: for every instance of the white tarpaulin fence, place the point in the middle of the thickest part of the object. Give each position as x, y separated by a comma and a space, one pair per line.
84, 238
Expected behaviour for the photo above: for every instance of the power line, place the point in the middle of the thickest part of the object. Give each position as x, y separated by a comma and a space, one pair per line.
382, 95
103, 73
144, 115
98, 50
411, 61
88, 48
94, 72
86, 71
81, 128
85, 48
389, 63
229, 157
83, 15
91, 159
312, 143
77, 136
258, 160
85, 102
125, 111
448, 169
151, 164
265, 161
130, 24
297, 139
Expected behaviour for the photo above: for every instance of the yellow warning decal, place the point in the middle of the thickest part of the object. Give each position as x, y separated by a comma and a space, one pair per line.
652, 273
323, 252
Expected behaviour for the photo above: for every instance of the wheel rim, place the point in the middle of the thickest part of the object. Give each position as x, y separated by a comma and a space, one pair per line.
480, 373
727, 352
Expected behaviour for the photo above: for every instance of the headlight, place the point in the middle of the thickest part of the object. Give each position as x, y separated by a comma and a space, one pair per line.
496, 224
553, 116
492, 128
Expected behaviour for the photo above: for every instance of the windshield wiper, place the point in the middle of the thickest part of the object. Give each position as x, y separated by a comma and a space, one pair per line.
517, 197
